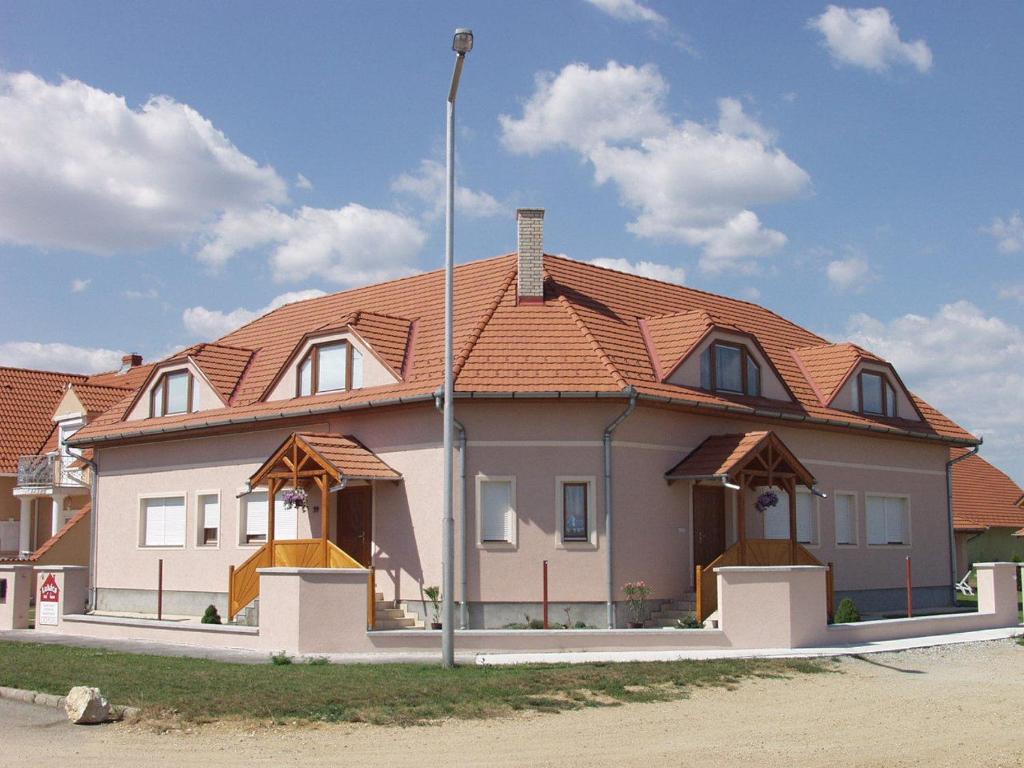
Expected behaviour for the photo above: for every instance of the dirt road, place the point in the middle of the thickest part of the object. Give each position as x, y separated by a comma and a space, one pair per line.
955, 705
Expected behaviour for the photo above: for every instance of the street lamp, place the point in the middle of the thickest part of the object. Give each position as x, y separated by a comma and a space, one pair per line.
462, 43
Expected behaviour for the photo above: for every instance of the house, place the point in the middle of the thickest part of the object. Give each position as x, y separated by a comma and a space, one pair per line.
44, 488
988, 512
613, 426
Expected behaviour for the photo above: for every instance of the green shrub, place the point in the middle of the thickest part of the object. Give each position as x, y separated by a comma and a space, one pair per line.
847, 612
535, 624
280, 659
211, 616
318, 661
689, 621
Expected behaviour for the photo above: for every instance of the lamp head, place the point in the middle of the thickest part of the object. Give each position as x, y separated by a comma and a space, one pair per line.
462, 42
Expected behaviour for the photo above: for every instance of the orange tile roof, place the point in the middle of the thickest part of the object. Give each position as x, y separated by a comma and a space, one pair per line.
350, 457
672, 337
97, 398
74, 520
724, 456
984, 496
27, 402
828, 366
586, 337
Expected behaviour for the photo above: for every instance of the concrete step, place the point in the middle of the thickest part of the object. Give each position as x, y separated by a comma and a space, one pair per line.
408, 622
672, 614
384, 612
378, 596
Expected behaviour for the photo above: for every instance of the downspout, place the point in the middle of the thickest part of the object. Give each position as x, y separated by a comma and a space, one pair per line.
608, 432
949, 510
93, 498
463, 538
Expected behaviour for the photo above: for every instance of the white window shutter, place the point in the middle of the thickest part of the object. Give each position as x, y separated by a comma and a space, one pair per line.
806, 532
495, 510
776, 519
286, 521
154, 522
210, 512
256, 514
895, 521
174, 522
876, 520
845, 533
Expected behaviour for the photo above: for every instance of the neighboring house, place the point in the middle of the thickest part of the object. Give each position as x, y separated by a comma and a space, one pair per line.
617, 427
44, 489
988, 513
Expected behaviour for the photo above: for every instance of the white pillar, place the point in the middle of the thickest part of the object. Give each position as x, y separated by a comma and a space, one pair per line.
58, 514
25, 531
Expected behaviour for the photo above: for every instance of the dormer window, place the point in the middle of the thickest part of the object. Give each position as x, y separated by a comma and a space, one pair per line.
877, 396
171, 394
730, 368
329, 367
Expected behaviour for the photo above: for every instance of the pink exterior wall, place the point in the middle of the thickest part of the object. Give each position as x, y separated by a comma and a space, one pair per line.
15, 605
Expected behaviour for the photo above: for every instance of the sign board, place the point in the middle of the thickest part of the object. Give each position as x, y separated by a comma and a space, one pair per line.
47, 611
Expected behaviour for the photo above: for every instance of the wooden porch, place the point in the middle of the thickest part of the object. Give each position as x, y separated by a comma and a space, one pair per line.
744, 463
327, 463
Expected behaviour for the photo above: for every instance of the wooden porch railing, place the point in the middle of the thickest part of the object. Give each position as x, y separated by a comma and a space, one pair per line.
244, 581
754, 552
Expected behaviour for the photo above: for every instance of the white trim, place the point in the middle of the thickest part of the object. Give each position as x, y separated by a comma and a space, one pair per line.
514, 511
689, 531
591, 482
816, 515
889, 495
140, 538
856, 520
198, 538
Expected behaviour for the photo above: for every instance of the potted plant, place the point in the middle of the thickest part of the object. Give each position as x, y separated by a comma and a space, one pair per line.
766, 500
296, 498
636, 593
434, 596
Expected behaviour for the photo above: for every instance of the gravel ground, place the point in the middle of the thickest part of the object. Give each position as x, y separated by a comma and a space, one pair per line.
955, 705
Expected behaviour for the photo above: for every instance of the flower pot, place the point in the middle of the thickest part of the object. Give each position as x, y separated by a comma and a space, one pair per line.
635, 625
435, 625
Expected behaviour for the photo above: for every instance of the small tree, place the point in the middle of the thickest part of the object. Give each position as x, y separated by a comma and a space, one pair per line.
434, 596
847, 612
211, 616
636, 593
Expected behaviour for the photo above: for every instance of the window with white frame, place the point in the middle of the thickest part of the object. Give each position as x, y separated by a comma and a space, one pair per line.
574, 503
329, 367
496, 510
208, 519
888, 520
255, 516
163, 521
846, 519
776, 519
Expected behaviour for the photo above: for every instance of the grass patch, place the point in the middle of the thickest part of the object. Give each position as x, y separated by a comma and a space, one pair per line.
200, 690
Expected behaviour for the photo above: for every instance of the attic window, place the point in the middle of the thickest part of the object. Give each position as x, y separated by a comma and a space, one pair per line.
171, 394
329, 367
730, 368
877, 396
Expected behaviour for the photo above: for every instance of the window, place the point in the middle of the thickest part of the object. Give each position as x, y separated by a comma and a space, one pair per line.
163, 522
171, 394
888, 520
776, 519
575, 509
846, 519
496, 510
876, 395
730, 368
332, 367
255, 518
3, 591
208, 506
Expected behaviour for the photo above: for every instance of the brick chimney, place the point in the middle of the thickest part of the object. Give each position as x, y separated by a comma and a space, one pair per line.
530, 247
134, 360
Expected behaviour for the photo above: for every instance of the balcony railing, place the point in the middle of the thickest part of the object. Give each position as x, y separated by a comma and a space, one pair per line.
50, 470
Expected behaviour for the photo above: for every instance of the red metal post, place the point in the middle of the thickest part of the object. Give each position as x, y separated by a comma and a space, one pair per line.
160, 589
545, 594
910, 591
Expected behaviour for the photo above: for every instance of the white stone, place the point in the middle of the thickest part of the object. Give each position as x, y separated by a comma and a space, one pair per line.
85, 706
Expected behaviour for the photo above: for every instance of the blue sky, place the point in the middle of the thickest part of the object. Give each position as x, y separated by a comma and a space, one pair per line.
170, 170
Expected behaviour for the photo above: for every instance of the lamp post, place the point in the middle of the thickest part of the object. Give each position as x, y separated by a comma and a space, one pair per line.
462, 43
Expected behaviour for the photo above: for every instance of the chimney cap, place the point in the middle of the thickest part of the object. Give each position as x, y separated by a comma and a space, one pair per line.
131, 360
521, 211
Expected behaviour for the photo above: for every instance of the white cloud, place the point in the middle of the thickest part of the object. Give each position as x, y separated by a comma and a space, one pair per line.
665, 272
428, 184
688, 182
148, 293
83, 170
206, 323
59, 357
629, 10
350, 246
868, 38
80, 284
1008, 232
851, 274
302, 182
1015, 292
965, 363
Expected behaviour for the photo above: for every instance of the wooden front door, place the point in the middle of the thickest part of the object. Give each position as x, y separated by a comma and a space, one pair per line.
355, 522
708, 523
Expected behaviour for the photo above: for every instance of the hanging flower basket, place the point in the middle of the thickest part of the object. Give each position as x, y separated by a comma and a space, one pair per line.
295, 498
766, 500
